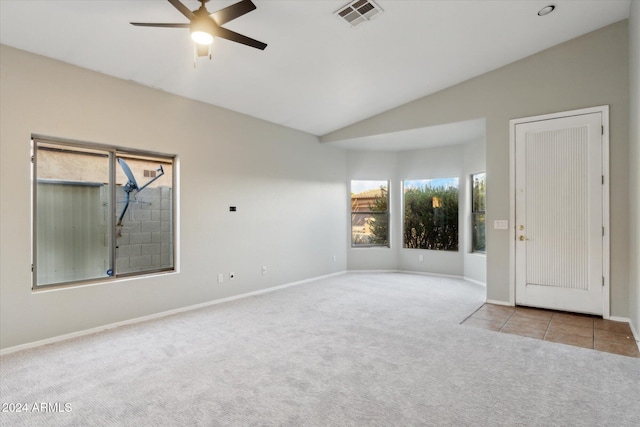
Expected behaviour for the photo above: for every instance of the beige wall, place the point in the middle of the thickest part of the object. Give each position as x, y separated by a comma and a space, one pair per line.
634, 164
256, 166
587, 71
289, 191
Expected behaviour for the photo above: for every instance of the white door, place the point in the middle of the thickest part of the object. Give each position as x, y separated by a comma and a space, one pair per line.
559, 213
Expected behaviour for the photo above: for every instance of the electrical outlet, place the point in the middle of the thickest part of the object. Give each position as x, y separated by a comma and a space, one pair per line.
420, 258
220, 278
264, 270
335, 258
232, 275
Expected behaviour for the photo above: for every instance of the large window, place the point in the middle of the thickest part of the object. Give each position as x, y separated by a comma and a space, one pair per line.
431, 214
369, 213
100, 212
478, 200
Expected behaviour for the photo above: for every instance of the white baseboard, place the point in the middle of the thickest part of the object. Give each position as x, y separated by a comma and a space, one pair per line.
371, 271
426, 273
477, 282
636, 337
157, 315
249, 294
423, 273
496, 302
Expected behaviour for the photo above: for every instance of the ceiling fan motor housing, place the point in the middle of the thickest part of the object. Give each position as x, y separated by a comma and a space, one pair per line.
203, 24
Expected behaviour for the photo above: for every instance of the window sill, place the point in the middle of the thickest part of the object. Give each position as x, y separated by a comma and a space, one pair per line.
482, 254
99, 282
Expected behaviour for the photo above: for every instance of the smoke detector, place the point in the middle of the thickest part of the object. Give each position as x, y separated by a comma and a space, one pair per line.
359, 11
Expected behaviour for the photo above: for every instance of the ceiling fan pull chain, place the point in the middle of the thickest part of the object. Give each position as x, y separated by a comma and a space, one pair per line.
195, 54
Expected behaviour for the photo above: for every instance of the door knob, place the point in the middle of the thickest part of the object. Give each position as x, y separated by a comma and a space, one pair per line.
522, 238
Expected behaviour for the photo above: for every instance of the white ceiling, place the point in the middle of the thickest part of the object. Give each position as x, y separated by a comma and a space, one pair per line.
317, 74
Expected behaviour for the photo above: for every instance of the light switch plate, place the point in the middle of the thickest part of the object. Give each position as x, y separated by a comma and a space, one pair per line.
501, 224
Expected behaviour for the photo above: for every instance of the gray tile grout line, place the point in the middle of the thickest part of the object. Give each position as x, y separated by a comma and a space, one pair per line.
472, 313
507, 321
546, 331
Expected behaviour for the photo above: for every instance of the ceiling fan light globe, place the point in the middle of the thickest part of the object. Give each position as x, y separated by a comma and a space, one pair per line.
202, 37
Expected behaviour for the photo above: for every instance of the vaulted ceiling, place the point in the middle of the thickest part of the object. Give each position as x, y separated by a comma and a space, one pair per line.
318, 73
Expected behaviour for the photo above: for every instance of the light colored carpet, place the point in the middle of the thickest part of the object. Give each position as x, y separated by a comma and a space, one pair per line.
352, 350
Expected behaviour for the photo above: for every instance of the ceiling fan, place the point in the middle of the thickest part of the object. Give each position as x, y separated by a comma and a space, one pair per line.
205, 26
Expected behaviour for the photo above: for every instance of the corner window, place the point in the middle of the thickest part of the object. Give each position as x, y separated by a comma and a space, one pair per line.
369, 213
431, 214
478, 200
100, 212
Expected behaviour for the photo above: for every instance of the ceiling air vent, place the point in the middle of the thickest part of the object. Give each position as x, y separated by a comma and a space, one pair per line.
359, 11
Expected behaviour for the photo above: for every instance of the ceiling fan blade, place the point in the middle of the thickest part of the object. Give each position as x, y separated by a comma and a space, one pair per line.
152, 24
182, 9
239, 38
232, 12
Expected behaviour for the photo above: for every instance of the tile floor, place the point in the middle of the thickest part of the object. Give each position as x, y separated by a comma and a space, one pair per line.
566, 328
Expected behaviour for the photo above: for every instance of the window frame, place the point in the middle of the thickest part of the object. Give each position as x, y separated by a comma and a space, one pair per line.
404, 213
113, 152
474, 212
387, 214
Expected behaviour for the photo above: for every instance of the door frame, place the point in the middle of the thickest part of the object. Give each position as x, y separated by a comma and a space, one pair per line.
604, 111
